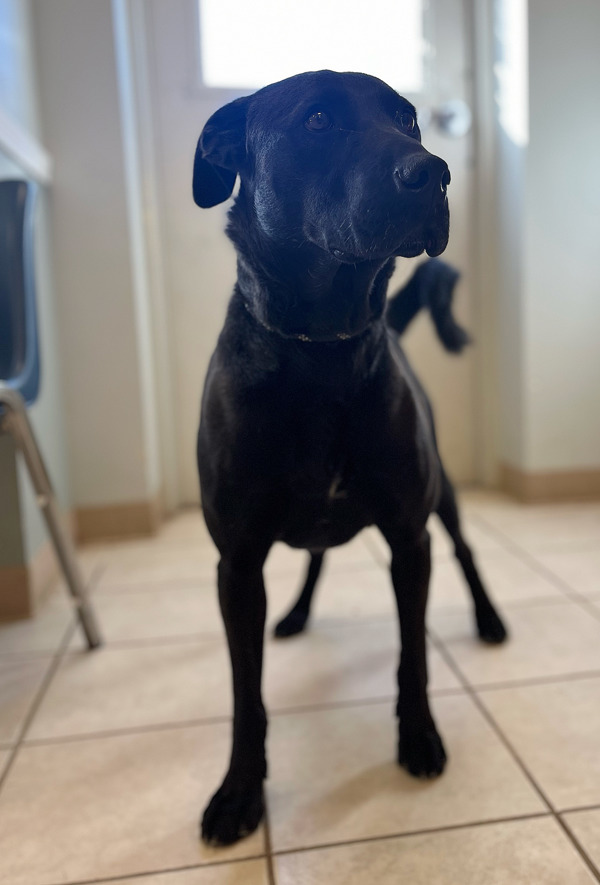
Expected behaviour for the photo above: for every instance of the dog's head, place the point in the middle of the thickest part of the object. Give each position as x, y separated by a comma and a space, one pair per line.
332, 159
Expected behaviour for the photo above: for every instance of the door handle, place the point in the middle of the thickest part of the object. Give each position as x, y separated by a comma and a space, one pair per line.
452, 118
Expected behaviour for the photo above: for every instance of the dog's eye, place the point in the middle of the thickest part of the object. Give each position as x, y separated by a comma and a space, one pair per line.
318, 121
407, 121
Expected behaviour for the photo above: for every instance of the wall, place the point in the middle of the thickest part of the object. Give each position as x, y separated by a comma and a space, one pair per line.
562, 232
99, 256
548, 300
22, 534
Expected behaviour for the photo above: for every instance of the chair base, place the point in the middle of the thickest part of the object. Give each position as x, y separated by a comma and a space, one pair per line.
15, 421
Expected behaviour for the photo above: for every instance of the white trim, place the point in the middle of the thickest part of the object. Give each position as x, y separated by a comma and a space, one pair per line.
140, 139
485, 257
24, 150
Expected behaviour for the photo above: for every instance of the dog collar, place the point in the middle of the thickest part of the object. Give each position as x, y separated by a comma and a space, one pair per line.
341, 336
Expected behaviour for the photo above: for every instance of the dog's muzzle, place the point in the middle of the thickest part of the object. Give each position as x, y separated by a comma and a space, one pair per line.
416, 202
425, 177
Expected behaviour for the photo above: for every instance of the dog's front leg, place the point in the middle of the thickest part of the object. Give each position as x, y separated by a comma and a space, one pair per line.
420, 748
237, 807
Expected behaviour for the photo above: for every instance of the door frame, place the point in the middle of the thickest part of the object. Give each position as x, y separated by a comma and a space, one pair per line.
479, 17
134, 38
478, 20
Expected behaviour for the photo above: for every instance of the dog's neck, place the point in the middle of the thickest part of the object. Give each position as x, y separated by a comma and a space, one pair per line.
298, 290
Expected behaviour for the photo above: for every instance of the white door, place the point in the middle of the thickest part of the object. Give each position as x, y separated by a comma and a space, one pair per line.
200, 261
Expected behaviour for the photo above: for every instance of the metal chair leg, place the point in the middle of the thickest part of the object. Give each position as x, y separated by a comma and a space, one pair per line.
16, 421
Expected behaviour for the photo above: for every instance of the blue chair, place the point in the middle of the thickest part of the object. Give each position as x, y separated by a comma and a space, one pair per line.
20, 375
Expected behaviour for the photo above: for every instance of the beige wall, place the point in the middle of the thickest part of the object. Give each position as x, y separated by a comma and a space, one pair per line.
562, 231
99, 262
21, 529
548, 198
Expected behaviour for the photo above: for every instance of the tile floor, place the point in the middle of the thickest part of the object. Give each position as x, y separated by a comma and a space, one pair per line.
106, 759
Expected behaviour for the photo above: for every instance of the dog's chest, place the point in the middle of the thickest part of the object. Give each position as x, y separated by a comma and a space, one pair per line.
326, 482
323, 514
325, 505
321, 460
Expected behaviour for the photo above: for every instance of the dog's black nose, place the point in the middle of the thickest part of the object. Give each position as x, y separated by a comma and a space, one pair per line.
422, 171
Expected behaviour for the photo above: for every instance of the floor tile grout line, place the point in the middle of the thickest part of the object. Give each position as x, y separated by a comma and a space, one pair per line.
510, 604
481, 523
14, 656
470, 691
581, 850
220, 720
117, 588
182, 639
45, 684
530, 559
515, 755
576, 808
37, 700
91, 581
532, 681
426, 831
328, 845
112, 591
526, 555
499, 533
140, 587
509, 544
326, 625
450, 691
133, 877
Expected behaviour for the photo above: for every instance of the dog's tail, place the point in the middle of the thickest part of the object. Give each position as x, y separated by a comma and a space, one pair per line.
431, 286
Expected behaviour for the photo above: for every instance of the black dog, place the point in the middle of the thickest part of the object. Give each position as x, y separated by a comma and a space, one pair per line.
313, 425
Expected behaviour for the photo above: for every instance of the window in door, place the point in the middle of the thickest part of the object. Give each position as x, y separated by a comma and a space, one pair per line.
247, 45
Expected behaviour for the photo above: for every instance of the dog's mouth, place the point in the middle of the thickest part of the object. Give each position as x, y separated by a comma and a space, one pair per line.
430, 237
348, 257
433, 242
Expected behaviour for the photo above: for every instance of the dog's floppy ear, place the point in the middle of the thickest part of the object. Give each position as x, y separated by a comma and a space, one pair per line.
219, 154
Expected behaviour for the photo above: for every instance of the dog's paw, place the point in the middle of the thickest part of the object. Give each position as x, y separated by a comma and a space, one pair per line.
293, 623
422, 753
490, 628
232, 814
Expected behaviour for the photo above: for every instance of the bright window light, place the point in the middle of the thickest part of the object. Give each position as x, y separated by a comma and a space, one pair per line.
247, 45
511, 69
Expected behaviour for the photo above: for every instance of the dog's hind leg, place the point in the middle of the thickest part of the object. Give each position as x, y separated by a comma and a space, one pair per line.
295, 620
489, 624
237, 807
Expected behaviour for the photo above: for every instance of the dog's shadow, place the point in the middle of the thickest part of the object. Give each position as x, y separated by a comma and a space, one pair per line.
370, 794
